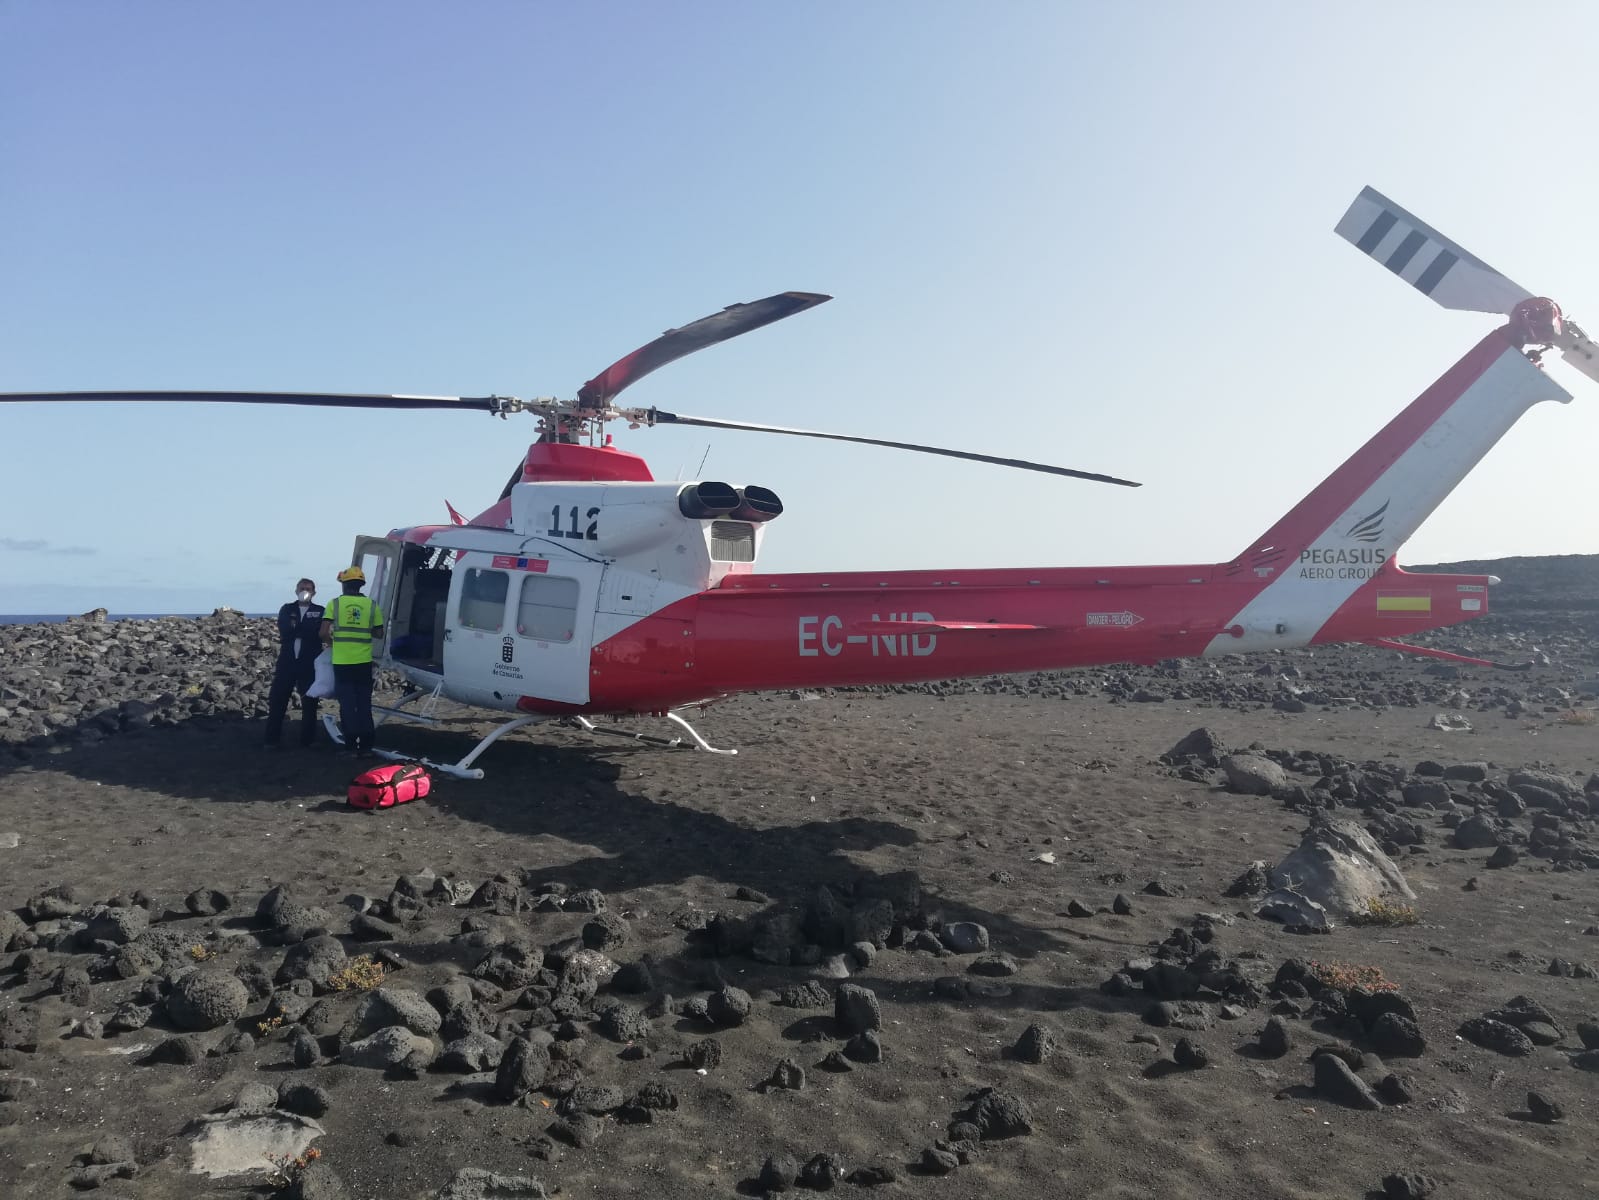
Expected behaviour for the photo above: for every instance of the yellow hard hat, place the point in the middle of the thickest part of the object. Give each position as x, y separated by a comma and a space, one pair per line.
350, 573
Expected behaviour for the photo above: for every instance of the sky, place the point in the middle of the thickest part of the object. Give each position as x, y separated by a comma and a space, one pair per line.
1086, 234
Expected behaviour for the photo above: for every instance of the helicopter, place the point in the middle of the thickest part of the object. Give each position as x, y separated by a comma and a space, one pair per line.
590, 588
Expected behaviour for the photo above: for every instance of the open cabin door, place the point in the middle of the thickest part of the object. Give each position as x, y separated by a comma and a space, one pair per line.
379, 559
520, 627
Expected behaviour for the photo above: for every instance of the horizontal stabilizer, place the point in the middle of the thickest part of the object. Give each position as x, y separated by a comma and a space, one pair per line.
1426, 259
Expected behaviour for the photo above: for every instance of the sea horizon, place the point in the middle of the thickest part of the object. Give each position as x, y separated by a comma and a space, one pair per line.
59, 618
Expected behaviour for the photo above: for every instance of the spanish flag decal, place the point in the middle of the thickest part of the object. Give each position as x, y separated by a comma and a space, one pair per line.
1405, 604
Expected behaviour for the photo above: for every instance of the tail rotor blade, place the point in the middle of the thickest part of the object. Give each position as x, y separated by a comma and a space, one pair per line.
1424, 258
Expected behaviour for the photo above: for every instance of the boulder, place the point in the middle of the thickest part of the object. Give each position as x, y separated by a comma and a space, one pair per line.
1340, 867
395, 1046
238, 1144
206, 999
1253, 774
1293, 910
475, 1183
1337, 1081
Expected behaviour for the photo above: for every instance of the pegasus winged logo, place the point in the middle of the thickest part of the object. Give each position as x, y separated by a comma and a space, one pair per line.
1368, 528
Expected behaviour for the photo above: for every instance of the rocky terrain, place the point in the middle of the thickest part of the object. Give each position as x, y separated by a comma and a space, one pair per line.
986, 938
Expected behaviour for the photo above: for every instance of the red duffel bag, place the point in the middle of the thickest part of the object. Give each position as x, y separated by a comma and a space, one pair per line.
388, 785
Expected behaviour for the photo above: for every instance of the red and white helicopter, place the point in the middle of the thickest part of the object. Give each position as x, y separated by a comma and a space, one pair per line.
590, 588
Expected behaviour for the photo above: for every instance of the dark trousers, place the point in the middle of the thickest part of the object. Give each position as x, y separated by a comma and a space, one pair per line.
352, 687
288, 678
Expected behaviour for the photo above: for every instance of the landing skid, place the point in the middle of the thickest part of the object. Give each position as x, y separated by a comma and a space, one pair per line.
456, 770
424, 714
699, 742
465, 770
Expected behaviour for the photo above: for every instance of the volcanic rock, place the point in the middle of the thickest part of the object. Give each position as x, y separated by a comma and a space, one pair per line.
1338, 866
1392, 1034
395, 1046
316, 960
206, 999
875, 1175
396, 1006
1497, 1036
522, 1068
965, 937
999, 1114
472, 1054
1274, 1040
1293, 910
996, 965
1190, 1055
865, 1047
1035, 1045
307, 1099
856, 1009
1335, 1080
475, 1183
1477, 833
822, 1172
778, 1173
1544, 1110
728, 1006
623, 1023
117, 925
1253, 774
788, 1075
704, 1055
1408, 1186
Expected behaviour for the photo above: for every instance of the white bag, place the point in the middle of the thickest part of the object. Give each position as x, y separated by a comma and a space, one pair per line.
322, 686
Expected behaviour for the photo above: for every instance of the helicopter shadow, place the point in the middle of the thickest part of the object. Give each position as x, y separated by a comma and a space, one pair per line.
562, 788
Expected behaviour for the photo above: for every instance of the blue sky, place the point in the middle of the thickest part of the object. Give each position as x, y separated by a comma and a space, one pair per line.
1086, 234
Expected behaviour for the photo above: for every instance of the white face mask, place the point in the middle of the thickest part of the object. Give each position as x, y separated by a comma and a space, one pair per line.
304, 597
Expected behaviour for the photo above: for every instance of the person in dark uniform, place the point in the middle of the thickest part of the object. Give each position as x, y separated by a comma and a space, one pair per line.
299, 642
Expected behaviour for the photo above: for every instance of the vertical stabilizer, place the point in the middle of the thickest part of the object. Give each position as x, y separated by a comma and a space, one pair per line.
1349, 528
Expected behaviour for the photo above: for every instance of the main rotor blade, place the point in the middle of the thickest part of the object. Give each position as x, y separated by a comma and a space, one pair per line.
656, 416
675, 343
322, 399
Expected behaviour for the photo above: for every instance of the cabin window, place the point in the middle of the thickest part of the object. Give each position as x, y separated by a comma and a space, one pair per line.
548, 609
483, 599
732, 541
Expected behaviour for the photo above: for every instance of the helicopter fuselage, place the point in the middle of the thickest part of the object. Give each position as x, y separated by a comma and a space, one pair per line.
633, 596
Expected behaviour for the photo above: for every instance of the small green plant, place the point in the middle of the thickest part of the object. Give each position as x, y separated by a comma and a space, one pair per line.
200, 952
1349, 977
1382, 911
361, 974
285, 1171
270, 1025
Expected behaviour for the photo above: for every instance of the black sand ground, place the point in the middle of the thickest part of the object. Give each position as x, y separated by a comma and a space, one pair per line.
849, 791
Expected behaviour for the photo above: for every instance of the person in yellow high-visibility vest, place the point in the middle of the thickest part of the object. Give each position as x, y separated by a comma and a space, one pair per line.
351, 625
